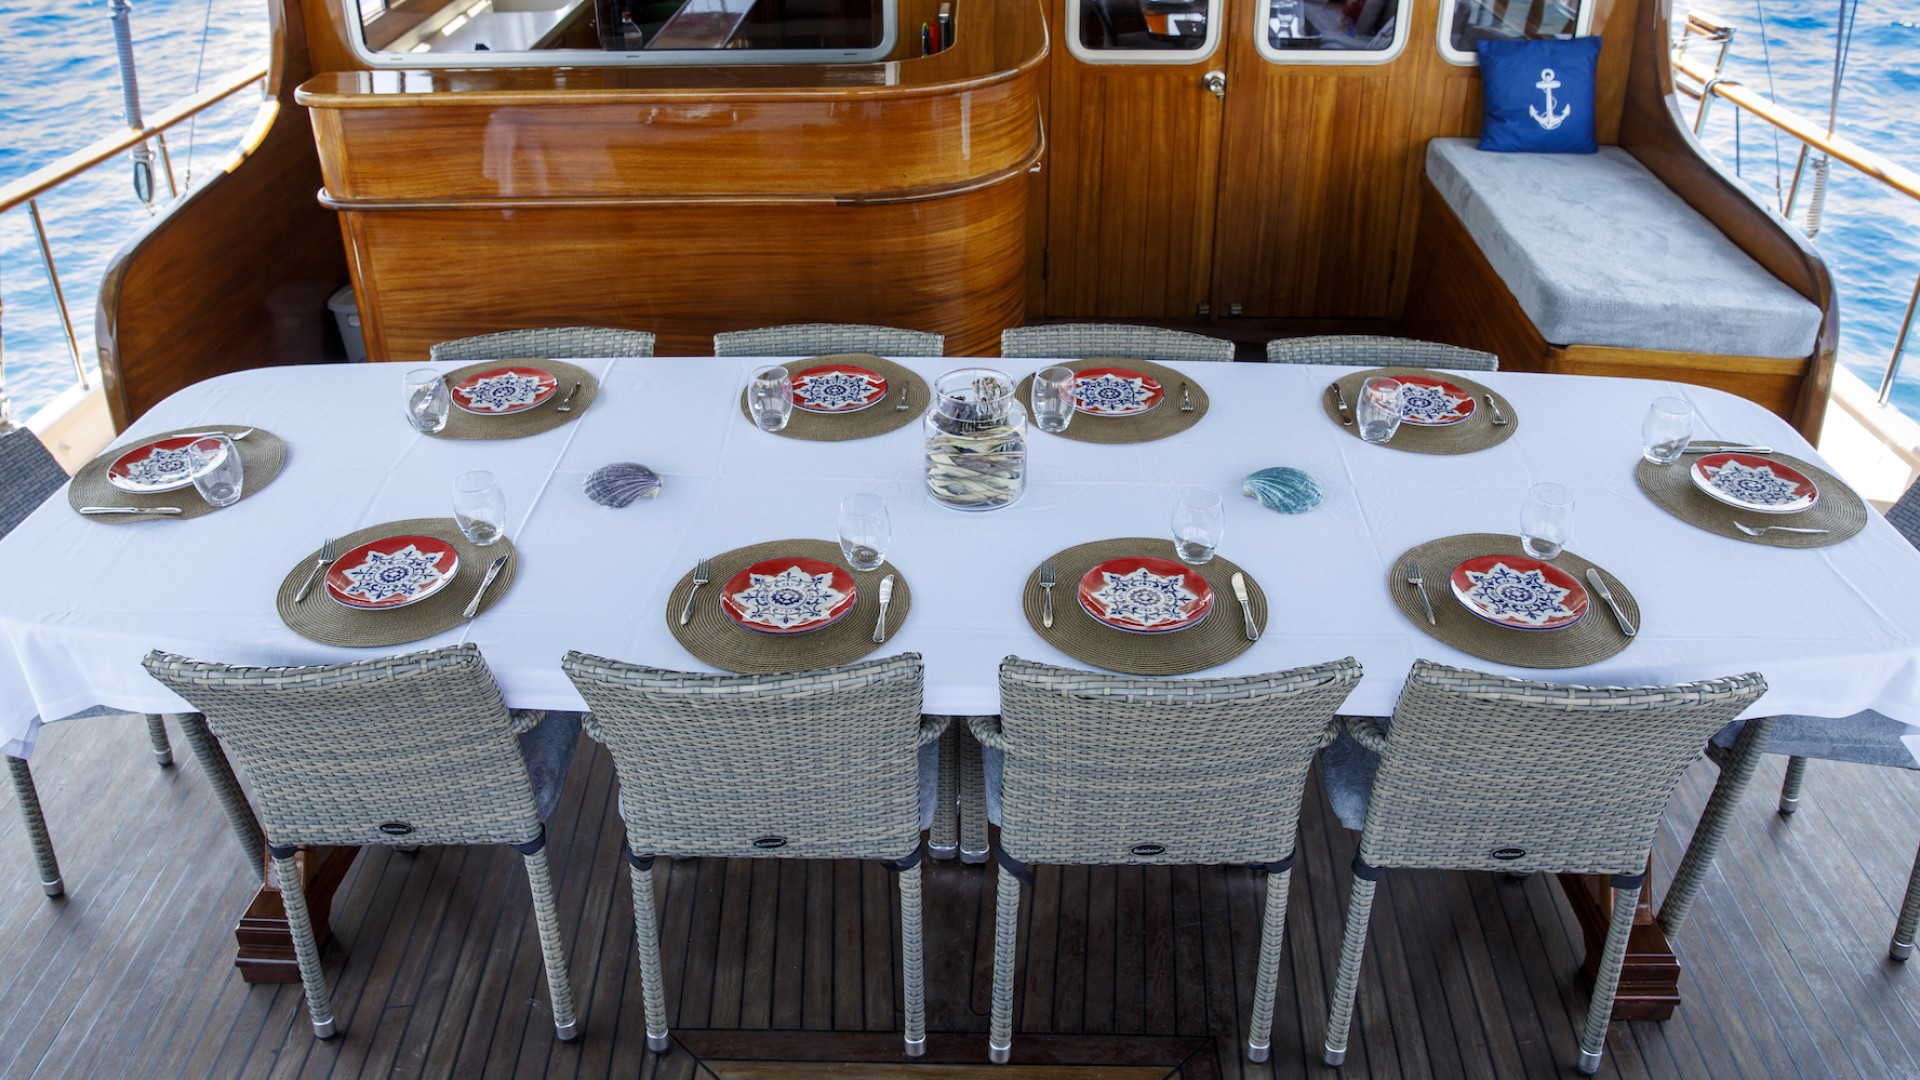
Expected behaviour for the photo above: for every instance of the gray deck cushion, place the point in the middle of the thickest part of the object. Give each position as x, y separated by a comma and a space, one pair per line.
1599, 252
549, 750
1869, 738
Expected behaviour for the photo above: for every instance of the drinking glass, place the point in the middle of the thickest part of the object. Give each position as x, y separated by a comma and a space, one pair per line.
1546, 520
1198, 523
1666, 430
1053, 398
217, 472
479, 507
865, 531
1379, 410
428, 400
770, 398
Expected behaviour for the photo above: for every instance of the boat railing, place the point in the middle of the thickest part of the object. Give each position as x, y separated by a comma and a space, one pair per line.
28, 189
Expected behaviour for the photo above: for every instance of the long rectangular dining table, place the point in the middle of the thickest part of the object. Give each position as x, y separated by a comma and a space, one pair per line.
1835, 629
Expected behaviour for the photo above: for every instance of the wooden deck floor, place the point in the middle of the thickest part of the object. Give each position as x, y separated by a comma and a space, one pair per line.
786, 970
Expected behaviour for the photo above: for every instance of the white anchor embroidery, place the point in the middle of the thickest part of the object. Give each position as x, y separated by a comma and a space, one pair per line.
1548, 120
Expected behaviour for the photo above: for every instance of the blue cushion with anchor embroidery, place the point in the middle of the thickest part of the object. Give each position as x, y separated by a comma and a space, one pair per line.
1539, 95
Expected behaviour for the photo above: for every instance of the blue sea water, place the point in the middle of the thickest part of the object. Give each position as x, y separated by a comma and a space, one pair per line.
59, 89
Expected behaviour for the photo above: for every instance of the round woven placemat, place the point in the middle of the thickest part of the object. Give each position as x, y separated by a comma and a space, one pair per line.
261, 456
1838, 509
715, 639
1476, 432
545, 416
322, 619
876, 419
1594, 638
1218, 638
1158, 422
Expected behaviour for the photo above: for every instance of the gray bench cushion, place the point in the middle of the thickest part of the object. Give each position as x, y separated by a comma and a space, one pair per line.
1599, 252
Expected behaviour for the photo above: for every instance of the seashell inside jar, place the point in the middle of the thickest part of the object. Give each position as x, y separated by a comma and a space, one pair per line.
976, 441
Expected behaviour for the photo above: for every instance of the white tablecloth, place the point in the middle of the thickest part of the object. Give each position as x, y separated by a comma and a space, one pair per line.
1835, 630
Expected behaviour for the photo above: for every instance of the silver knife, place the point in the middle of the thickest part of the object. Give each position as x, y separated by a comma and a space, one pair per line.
566, 403
1600, 586
1246, 606
1692, 449
1346, 415
493, 571
102, 511
886, 597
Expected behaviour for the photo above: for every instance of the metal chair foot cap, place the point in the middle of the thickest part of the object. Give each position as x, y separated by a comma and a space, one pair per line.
973, 858
1257, 1053
164, 757
999, 1055
567, 1032
1788, 806
324, 1030
1335, 1058
917, 1047
1589, 1063
1900, 950
657, 1043
56, 887
943, 852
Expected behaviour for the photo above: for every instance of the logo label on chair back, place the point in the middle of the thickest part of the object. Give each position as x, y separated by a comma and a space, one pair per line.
1508, 854
395, 828
769, 843
1147, 851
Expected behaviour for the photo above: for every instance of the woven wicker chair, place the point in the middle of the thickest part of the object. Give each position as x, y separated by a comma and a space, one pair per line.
817, 764
551, 343
813, 339
1119, 770
31, 475
1584, 774
398, 751
1362, 350
1079, 341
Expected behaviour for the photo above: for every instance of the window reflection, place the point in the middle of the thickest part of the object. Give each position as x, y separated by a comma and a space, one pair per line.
1506, 20
1154, 25
1332, 25
464, 27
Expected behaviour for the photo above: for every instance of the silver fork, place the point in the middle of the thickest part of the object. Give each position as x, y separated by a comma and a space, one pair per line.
902, 407
1412, 572
327, 556
1186, 399
702, 573
1046, 586
1765, 529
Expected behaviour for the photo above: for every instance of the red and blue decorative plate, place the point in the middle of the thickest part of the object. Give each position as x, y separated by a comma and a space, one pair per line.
1752, 482
392, 573
1519, 592
788, 596
504, 390
837, 388
1429, 402
1145, 595
160, 465
1111, 391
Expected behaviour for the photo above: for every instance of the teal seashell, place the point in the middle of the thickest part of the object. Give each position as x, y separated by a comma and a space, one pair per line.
1289, 491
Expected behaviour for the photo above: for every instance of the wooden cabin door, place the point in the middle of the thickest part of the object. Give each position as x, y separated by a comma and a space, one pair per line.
1134, 157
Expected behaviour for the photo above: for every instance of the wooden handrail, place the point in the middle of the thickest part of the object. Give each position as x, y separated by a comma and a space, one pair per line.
1901, 179
55, 173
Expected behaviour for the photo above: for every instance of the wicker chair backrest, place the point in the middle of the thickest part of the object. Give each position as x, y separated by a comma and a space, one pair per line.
813, 339
1363, 350
551, 343
29, 474
820, 764
1080, 341
1482, 772
413, 749
1114, 769
1905, 514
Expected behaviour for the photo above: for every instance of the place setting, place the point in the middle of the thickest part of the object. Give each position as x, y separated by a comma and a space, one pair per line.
1420, 411
498, 399
184, 473
834, 398
1146, 606
1112, 401
1742, 491
794, 605
404, 581
1524, 600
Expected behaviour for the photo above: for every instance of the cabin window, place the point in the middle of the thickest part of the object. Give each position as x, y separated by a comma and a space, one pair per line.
1463, 22
519, 33
1332, 31
1143, 31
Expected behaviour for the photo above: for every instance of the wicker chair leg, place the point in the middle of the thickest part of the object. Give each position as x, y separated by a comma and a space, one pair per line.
1272, 933
1353, 948
1006, 928
1736, 772
226, 789
646, 940
1790, 787
157, 735
1903, 931
546, 915
28, 797
913, 961
973, 802
1607, 981
943, 840
293, 896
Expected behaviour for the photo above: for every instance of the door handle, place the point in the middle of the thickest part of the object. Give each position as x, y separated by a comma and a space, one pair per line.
1215, 81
